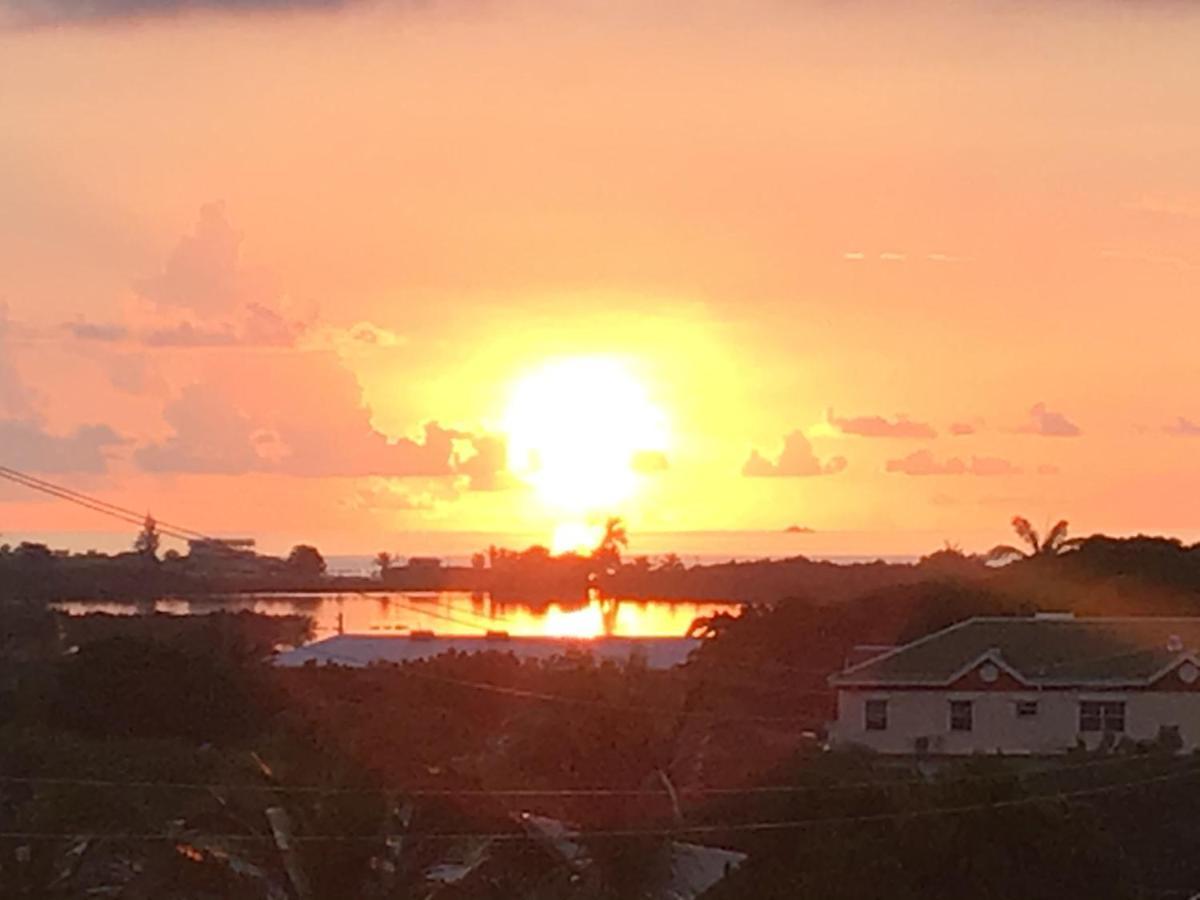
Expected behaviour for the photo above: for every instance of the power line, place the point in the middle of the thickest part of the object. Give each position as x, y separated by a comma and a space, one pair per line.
525, 694
751, 790
708, 829
95, 504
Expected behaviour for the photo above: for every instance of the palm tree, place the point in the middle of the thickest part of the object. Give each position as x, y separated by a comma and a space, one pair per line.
1055, 542
616, 538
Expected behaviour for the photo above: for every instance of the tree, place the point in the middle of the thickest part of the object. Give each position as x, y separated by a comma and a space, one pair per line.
306, 561
615, 538
383, 561
1053, 544
148, 539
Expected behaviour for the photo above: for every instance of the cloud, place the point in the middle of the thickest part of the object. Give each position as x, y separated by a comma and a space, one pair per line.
797, 460
486, 463
27, 443
303, 414
255, 325
1183, 427
204, 297
16, 398
385, 495
187, 334
1048, 423
134, 373
46, 12
923, 462
29, 446
650, 462
960, 429
106, 332
204, 272
877, 426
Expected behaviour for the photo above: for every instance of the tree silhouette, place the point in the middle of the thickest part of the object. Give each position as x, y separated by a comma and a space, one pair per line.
1054, 543
148, 539
383, 561
306, 561
615, 539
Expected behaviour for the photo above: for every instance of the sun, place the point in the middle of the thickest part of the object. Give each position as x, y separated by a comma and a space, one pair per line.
575, 429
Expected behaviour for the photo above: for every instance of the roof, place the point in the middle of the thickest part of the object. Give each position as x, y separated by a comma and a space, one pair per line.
1043, 651
362, 649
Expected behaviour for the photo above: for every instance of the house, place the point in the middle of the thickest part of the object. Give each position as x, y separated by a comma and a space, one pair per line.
1040, 685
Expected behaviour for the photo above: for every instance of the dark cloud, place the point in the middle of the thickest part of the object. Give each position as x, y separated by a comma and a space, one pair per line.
1048, 423
1183, 427
923, 462
797, 460
877, 426
44, 12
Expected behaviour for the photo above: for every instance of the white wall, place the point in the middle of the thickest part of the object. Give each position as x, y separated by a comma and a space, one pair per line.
919, 713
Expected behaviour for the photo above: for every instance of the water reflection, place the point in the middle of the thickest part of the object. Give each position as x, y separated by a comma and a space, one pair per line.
447, 612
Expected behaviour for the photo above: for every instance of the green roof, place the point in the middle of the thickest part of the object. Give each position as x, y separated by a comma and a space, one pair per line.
1042, 651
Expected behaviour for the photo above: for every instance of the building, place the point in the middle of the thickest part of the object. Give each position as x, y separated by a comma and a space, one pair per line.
356, 650
1040, 685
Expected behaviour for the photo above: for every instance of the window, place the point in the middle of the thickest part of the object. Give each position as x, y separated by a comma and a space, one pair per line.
961, 715
1102, 715
876, 715
1027, 709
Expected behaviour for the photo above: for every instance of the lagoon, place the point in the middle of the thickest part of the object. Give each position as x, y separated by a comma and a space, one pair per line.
442, 612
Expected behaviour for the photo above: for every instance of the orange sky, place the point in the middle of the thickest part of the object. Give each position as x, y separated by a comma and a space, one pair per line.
252, 252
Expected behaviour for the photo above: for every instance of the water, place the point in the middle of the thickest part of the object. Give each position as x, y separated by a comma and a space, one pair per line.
445, 612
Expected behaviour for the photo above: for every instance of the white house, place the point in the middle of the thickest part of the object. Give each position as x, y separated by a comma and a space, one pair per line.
1025, 686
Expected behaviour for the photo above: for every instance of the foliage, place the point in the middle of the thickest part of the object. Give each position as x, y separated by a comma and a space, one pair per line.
306, 561
148, 539
1054, 543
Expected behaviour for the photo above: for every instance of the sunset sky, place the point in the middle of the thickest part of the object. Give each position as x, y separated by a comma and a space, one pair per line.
341, 271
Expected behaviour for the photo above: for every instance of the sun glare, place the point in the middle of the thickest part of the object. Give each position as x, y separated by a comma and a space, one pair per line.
575, 427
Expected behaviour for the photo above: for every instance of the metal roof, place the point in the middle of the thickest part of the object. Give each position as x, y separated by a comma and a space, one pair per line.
362, 649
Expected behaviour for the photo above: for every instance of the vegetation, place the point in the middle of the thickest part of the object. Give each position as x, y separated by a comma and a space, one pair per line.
191, 701
1054, 543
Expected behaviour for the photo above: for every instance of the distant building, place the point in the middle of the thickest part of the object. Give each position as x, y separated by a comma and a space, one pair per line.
219, 547
424, 562
1040, 685
226, 556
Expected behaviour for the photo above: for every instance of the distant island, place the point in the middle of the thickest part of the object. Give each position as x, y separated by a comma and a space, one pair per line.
799, 529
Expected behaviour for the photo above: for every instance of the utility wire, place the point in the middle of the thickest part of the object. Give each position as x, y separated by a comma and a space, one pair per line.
709, 829
94, 503
751, 790
525, 694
